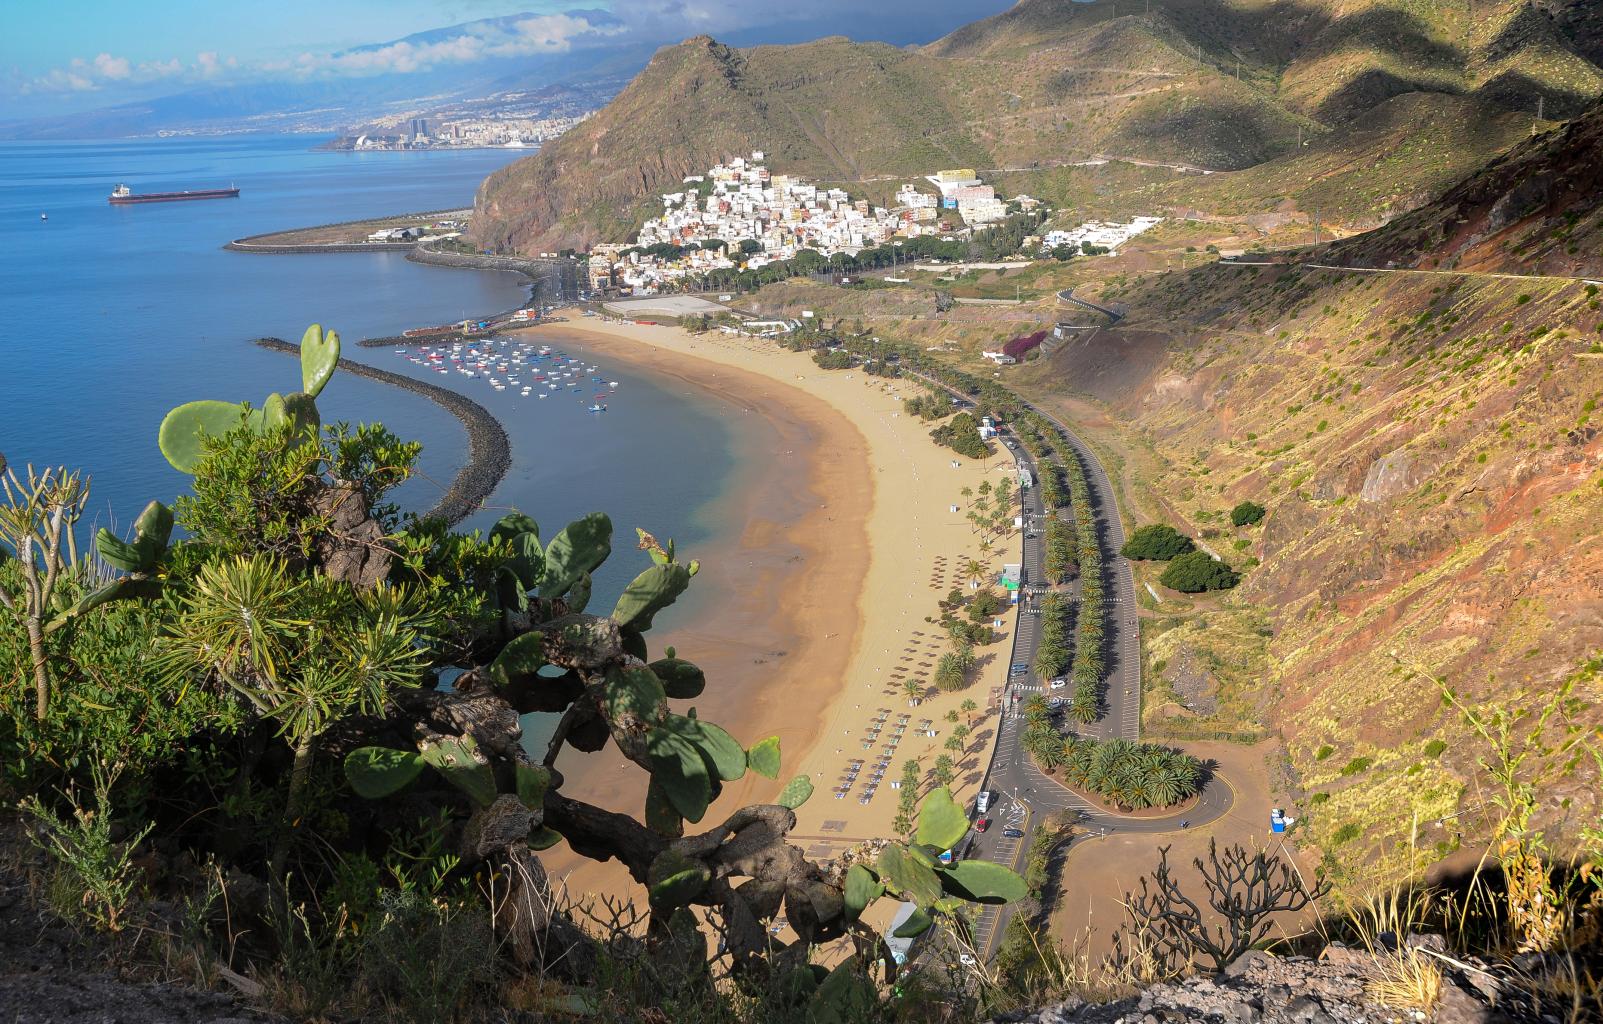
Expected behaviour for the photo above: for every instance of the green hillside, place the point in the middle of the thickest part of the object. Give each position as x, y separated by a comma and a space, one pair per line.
1313, 99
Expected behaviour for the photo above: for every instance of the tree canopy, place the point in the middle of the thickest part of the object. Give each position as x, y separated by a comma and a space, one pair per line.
1198, 571
1156, 542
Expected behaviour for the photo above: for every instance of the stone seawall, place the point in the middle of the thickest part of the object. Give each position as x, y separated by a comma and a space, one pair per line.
489, 450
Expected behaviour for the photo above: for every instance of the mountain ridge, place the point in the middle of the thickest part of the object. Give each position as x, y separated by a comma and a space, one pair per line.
1225, 85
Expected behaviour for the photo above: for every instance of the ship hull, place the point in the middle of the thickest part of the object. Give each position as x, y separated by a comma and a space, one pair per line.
173, 197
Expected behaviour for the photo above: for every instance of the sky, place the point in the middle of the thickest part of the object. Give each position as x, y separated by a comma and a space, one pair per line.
60, 55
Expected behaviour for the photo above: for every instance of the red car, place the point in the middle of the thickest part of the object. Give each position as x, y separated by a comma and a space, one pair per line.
982, 824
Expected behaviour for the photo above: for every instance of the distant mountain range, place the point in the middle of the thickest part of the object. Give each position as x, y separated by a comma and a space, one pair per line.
1298, 97
328, 104
596, 61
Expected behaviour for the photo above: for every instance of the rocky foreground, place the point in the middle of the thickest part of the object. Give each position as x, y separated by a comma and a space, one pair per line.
1337, 988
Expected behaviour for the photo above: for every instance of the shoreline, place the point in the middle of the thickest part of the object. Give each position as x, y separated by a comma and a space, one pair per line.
767, 607
489, 449
863, 612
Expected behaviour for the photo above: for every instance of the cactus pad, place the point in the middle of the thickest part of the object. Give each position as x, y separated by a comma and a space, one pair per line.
183, 427
376, 772
320, 354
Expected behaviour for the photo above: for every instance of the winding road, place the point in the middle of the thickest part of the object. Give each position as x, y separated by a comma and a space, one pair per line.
1022, 795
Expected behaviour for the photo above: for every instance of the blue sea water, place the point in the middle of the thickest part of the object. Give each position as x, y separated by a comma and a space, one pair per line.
115, 314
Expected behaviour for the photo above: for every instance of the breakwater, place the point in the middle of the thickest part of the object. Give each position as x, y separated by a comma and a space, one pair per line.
269, 242
489, 450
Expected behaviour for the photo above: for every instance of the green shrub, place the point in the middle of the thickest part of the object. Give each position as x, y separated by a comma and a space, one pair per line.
1198, 571
1157, 542
1346, 834
1324, 752
1435, 748
1248, 513
1356, 765
1317, 799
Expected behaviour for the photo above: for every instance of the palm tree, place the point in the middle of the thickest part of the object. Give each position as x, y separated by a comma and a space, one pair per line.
953, 744
951, 716
1079, 763
945, 770
913, 688
973, 569
1164, 786
968, 707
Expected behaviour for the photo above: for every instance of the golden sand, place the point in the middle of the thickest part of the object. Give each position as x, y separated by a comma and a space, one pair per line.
812, 640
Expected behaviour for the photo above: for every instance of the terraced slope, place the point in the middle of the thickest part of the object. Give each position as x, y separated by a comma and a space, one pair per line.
1405, 152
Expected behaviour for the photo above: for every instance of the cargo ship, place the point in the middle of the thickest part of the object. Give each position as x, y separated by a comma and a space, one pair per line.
122, 195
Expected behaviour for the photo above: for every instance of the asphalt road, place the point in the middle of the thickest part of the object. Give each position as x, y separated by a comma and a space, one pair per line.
1067, 295
1023, 795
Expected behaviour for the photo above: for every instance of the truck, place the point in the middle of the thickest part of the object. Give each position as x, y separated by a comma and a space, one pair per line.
982, 802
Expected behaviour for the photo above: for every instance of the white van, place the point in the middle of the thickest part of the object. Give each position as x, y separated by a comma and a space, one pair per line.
982, 801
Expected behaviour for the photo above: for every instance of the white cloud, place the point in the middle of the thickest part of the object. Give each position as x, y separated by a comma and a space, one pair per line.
87, 75
112, 68
536, 34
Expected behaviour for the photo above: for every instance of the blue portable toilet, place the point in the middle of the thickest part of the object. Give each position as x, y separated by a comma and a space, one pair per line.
1277, 821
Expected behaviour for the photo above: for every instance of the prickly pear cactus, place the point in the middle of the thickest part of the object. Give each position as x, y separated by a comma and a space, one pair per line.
320, 354
183, 428
152, 530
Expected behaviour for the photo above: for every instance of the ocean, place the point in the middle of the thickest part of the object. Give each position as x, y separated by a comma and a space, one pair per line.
115, 314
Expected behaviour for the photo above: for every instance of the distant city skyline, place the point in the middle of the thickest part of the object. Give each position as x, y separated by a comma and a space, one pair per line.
91, 53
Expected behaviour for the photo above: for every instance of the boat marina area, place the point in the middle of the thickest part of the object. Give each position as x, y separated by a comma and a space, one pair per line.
537, 371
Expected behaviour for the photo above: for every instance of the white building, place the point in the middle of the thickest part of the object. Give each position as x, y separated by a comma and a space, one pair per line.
1108, 236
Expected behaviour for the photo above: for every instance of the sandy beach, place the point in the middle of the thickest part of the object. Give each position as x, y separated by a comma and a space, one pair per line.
818, 615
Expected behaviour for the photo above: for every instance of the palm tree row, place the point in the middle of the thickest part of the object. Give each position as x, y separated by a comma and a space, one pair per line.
1073, 540
1052, 652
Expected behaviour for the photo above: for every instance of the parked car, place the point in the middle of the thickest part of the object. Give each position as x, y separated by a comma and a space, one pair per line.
1018, 669
1058, 684
982, 824
1013, 833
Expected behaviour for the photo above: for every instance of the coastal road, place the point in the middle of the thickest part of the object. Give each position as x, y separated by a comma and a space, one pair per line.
1023, 795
